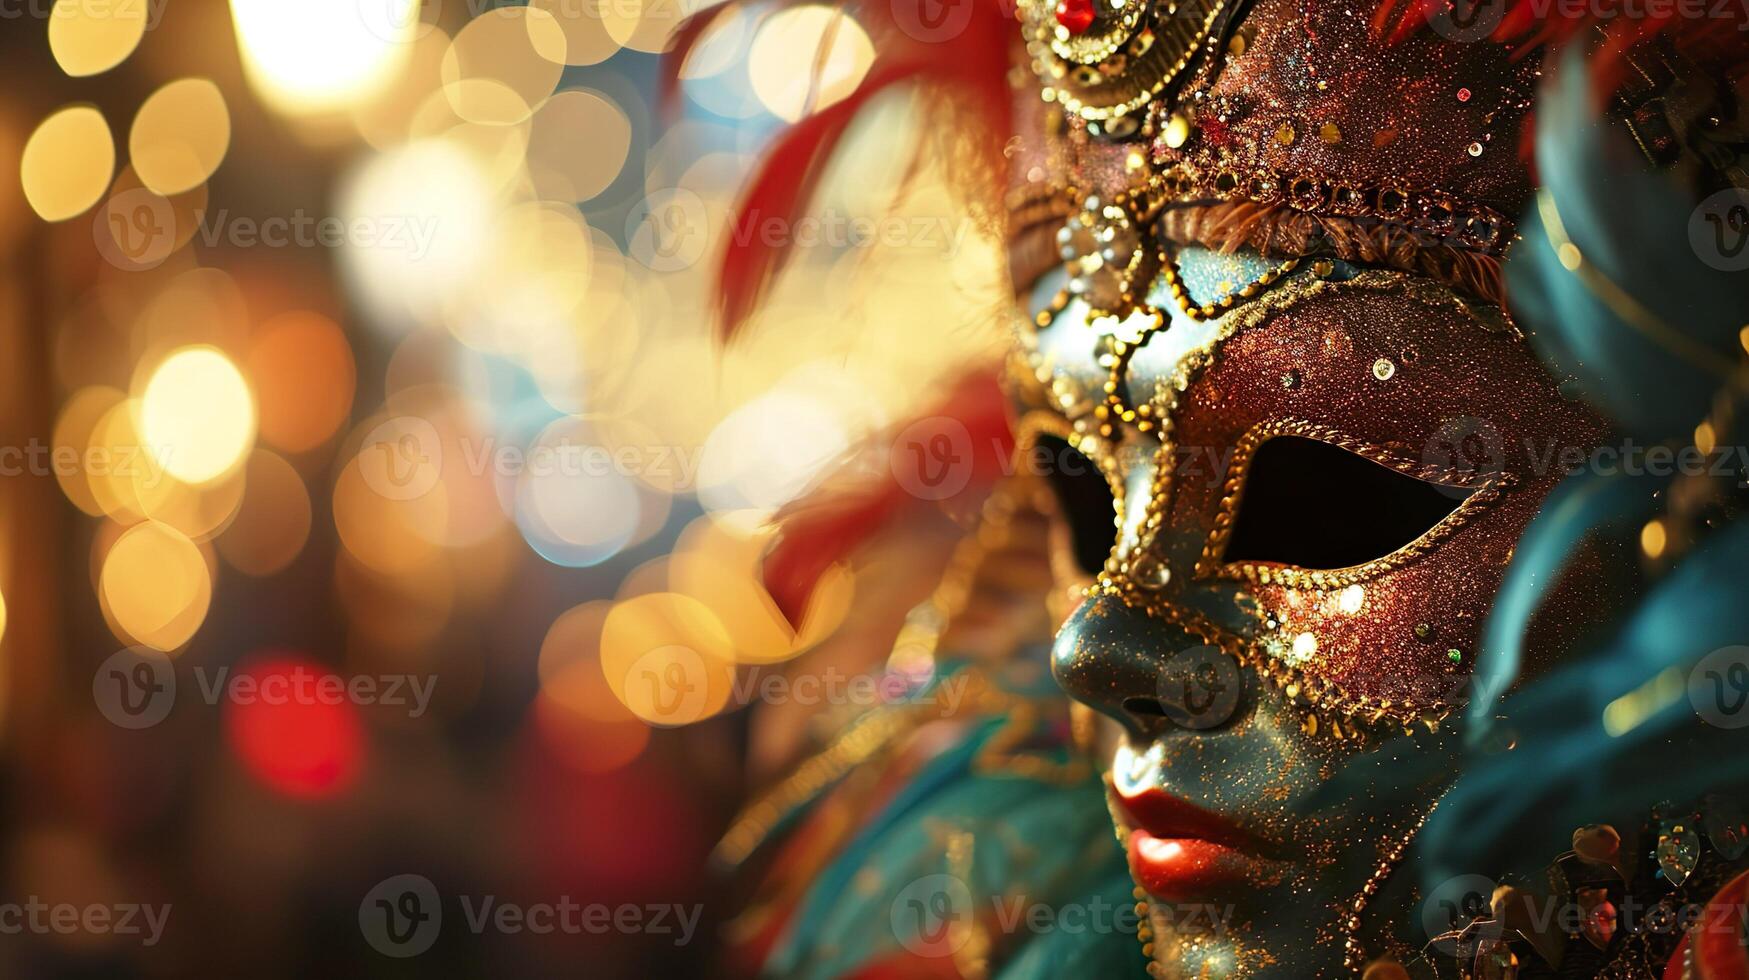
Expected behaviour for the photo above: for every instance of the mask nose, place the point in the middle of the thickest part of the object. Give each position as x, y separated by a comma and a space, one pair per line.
1151, 676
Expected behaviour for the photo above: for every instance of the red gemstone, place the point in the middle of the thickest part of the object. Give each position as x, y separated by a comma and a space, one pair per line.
1075, 15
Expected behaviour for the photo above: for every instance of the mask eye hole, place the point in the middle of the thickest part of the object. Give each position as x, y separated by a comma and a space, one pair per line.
1314, 505
1084, 500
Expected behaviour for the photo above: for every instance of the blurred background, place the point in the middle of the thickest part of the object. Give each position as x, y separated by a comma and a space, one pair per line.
380, 515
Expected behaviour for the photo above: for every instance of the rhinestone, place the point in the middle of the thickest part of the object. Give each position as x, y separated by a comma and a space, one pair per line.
1151, 573
1178, 130
1475, 149
1076, 16
1285, 134
1122, 127
1383, 369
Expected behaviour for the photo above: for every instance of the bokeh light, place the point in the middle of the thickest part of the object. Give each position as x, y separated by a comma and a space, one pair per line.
766, 452
587, 41
574, 504
647, 25
389, 525
274, 521
363, 44
289, 735
667, 658
806, 58
180, 136
503, 63
73, 438
576, 711
578, 145
67, 163
442, 189
197, 415
304, 379
155, 586
91, 38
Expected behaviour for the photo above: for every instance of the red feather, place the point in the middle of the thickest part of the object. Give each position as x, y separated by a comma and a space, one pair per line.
681, 44
969, 68
1534, 25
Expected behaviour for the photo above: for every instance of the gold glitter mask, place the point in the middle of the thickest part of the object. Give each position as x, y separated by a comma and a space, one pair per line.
1326, 468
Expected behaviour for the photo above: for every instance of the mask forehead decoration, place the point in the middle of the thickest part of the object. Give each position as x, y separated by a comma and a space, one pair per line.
1104, 60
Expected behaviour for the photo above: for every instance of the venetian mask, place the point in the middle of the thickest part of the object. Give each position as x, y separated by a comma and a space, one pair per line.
1257, 250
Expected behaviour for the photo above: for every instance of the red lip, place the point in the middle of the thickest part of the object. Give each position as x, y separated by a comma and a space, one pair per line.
1180, 851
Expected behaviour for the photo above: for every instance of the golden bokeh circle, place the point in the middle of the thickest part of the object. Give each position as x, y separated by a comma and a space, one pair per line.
197, 415
67, 163
90, 38
304, 378
180, 136
666, 657
155, 586
274, 522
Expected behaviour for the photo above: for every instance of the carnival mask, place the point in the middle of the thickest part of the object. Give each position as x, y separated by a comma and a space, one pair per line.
1268, 319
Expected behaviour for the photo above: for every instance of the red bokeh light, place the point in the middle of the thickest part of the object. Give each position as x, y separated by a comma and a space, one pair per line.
290, 728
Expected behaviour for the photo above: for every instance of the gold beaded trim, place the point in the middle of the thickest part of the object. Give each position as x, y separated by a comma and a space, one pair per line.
1435, 212
1122, 352
1353, 956
1037, 203
1138, 212
1098, 86
1485, 489
1208, 311
1344, 714
1165, 397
